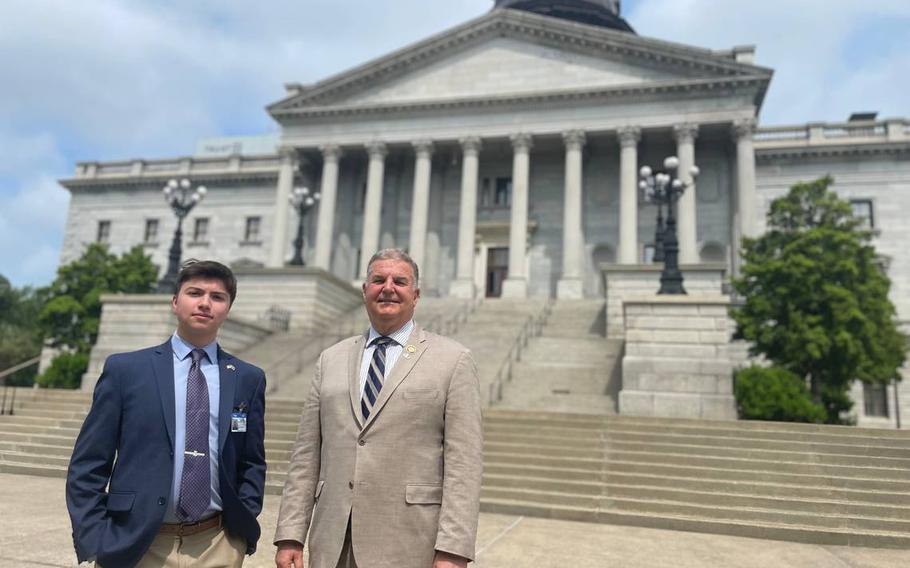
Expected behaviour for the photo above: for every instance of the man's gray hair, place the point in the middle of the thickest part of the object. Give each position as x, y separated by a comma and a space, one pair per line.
394, 254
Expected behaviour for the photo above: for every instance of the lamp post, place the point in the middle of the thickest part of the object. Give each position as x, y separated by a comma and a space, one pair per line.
302, 201
665, 188
659, 233
180, 196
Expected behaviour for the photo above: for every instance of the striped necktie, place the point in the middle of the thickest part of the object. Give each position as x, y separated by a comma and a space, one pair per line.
375, 375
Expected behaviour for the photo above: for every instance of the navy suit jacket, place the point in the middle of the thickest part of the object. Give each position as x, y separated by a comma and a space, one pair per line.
117, 505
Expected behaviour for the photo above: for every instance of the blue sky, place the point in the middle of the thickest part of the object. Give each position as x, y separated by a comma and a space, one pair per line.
118, 79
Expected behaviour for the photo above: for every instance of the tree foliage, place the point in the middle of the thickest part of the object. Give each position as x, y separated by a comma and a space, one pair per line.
816, 300
20, 336
73, 310
772, 393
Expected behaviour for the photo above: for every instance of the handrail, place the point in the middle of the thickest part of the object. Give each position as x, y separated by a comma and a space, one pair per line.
532, 327
12, 399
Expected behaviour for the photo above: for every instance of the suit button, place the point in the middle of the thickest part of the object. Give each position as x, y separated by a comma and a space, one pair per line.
350, 485
362, 442
161, 501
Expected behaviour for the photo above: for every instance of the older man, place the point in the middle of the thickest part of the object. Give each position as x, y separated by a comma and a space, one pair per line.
387, 466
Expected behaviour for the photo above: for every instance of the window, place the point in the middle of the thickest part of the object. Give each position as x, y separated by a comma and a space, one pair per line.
201, 230
104, 232
251, 233
151, 231
647, 254
495, 193
875, 399
862, 210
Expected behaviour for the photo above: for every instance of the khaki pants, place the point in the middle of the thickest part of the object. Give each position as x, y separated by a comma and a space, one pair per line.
213, 548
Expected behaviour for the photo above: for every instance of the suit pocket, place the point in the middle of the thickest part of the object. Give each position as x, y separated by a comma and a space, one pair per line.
421, 494
319, 489
421, 394
120, 502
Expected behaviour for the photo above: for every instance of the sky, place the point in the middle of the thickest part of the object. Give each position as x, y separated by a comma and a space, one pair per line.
120, 79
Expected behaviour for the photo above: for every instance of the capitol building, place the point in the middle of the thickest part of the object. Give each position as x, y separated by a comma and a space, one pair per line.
503, 154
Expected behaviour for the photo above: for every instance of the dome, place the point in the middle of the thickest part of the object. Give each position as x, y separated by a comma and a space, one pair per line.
603, 13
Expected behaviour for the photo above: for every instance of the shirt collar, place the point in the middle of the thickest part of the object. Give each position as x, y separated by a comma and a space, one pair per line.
182, 349
400, 336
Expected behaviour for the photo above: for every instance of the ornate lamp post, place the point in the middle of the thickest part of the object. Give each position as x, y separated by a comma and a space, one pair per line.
182, 199
665, 189
302, 201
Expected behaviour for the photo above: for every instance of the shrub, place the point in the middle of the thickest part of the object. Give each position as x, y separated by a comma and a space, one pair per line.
65, 372
772, 393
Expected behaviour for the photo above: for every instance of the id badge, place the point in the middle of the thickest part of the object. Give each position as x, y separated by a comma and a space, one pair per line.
238, 421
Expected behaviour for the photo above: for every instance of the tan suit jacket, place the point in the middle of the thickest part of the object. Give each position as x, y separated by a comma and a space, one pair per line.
409, 478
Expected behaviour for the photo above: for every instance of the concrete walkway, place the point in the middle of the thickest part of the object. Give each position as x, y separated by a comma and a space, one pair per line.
35, 531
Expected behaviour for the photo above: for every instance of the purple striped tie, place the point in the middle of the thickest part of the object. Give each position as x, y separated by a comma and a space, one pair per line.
195, 483
375, 375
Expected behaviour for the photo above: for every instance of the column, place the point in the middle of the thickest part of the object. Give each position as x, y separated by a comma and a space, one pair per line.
570, 284
686, 222
516, 285
331, 154
420, 204
745, 185
372, 207
628, 194
463, 285
278, 250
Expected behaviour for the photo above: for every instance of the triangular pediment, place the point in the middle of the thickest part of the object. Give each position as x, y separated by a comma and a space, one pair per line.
507, 53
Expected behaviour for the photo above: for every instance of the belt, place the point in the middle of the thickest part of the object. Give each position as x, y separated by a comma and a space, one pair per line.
186, 529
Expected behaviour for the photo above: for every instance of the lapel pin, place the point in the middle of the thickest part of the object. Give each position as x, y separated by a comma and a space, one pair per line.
231, 367
411, 348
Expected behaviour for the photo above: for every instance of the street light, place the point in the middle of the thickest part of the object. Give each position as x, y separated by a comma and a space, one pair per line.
182, 199
665, 188
302, 201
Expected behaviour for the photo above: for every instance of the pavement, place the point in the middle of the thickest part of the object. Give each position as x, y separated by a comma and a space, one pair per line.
35, 531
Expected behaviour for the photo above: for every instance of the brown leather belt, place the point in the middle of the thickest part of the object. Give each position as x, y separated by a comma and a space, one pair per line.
187, 529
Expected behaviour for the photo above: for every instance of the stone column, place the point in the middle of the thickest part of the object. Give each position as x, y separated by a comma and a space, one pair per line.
372, 206
463, 285
686, 222
628, 195
420, 204
516, 285
331, 154
282, 206
745, 177
570, 284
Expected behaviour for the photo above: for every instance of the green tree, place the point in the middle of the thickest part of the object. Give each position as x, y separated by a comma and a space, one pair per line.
20, 336
816, 300
774, 394
72, 313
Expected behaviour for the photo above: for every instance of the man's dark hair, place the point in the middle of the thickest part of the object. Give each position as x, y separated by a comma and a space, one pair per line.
194, 269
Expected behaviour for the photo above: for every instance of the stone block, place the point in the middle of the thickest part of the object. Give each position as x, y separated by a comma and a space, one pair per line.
713, 337
637, 365
688, 310
677, 405
713, 310
718, 407
634, 403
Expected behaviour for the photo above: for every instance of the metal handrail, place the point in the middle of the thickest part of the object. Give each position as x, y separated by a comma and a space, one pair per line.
532, 327
3, 375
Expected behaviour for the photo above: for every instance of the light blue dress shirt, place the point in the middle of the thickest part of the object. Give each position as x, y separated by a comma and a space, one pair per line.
209, 365
392, 351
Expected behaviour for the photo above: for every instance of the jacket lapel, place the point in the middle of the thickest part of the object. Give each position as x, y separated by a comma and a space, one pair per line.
227, 381
402, 368
354, 359
163, 369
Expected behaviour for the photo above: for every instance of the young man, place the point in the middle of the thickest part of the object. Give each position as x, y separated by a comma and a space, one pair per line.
386, 470
169, 467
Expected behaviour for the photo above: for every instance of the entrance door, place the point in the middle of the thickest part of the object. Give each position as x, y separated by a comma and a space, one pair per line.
497, 270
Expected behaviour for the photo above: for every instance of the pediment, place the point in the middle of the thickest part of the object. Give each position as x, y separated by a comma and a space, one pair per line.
515, 54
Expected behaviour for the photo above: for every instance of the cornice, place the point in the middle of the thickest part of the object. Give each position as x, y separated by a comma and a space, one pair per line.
747, 84
510, 23
833, 150
158, 180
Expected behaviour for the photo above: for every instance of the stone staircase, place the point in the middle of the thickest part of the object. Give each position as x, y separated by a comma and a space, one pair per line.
570, 367
807, 483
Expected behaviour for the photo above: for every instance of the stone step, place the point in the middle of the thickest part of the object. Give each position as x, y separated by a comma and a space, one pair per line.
40, 449
694, 523
34, 458
560, 401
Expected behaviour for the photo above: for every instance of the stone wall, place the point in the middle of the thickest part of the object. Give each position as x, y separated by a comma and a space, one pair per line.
676, 362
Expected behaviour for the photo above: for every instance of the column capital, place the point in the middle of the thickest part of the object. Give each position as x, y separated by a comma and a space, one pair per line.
470, 144
574, 139
331, 152
377, 149
686, 132
423, 146
744, 128
287, 153
522, 141
629, 136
